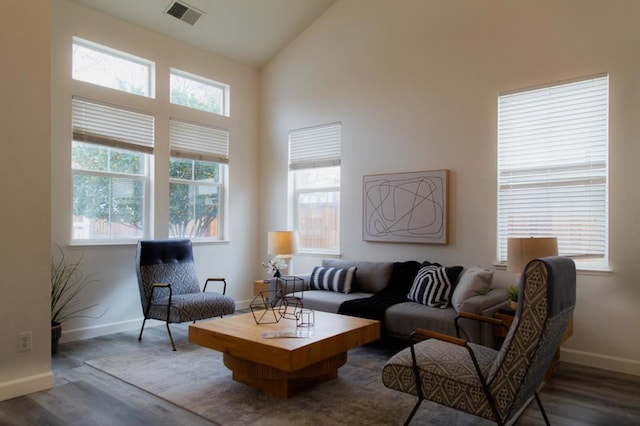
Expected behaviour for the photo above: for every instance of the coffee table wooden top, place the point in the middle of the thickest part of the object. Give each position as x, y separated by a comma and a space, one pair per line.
240, 336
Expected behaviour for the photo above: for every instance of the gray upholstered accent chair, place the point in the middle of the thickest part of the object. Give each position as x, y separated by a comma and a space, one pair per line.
493, 384
169, 289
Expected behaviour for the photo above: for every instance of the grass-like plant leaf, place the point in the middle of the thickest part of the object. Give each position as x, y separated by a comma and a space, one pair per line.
67, 282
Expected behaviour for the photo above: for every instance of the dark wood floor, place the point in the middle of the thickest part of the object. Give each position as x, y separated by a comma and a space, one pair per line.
84, 396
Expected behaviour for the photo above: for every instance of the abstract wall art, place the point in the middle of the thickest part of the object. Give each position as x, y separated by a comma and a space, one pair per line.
405, 207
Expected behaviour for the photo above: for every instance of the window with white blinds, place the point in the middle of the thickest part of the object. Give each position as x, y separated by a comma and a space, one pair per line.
198, 142
314, 164
552, 168
110, 171
115, 127
317, 146
197, 169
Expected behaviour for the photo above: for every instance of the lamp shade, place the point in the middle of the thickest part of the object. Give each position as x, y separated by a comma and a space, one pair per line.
521, 250
281, 243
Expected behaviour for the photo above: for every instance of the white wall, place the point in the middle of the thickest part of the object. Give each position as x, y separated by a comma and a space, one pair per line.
415, 85
114, 266
25, 114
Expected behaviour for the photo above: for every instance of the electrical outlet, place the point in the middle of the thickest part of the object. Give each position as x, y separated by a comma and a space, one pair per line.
24, 341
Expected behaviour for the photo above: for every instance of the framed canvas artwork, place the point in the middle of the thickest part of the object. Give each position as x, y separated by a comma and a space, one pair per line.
405, 207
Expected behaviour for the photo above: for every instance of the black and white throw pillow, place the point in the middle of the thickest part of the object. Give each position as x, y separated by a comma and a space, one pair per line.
433, 285
332, 279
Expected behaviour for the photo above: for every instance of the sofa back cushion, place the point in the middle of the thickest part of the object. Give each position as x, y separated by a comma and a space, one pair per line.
371, 277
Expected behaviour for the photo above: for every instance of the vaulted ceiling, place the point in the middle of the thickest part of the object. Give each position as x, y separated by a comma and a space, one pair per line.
248, 31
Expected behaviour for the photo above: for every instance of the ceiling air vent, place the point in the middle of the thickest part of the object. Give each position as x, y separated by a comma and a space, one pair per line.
184, 12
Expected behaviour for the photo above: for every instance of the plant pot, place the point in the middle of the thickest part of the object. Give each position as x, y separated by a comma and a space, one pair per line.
514, 305
56, 332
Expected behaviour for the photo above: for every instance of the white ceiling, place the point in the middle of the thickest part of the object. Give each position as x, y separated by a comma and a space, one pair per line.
248, 31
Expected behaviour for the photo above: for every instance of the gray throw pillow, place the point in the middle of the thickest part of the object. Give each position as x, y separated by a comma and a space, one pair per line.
474, 281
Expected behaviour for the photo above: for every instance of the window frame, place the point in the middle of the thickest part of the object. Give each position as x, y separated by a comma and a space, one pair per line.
559, 174
297, 192
313, 148
109, 51
117, 132
220, 185
144, 178
201, 142
225, 88
93, 124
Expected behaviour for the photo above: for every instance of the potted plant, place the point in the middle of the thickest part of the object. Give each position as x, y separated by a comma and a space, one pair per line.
67, 282
513, 295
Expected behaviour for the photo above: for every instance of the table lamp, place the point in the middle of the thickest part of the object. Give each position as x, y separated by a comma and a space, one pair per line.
521, 250
282, 244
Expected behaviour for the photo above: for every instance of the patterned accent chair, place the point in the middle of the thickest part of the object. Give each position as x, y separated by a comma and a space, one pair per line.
169, 289
493, 384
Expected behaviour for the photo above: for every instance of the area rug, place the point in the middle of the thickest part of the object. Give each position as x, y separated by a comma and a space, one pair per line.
195, 378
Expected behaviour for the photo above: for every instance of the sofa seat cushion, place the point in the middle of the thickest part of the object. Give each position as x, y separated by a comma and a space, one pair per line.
402, 319
371, 277
328, 301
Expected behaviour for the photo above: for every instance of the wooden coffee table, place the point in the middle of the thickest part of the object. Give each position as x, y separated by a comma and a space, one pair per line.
284, 366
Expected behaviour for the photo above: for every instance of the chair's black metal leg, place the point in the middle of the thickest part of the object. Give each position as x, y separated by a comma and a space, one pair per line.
413, 412
544, 414
173, 345
141, 329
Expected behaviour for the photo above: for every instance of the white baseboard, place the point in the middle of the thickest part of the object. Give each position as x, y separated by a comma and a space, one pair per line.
243, 304
99, 330
117, 327
620, 365
25, 385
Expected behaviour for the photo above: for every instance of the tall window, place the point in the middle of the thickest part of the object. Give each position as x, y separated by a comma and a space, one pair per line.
197, 92
110, 171
552, 168
101, 65
314, 164
112, 150
196, 180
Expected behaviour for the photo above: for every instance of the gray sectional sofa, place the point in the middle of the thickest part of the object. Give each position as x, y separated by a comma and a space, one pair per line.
379, 291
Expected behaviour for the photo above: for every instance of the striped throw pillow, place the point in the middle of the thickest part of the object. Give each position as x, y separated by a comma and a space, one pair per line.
332, 279
433, 285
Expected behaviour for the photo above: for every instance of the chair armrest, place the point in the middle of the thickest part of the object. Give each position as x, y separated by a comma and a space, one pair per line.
154, 286
219, 279
482, 318
438, 336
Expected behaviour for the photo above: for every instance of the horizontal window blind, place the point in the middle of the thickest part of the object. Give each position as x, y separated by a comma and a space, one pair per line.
116, 127
317, 146
198, 142
552, 167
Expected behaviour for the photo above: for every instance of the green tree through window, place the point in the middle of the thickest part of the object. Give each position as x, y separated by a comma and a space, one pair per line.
194, 198
108, 189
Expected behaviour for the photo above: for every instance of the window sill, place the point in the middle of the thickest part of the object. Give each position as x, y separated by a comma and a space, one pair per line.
318, 254
601, 272
133, 242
